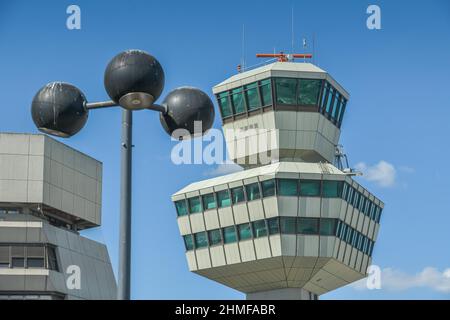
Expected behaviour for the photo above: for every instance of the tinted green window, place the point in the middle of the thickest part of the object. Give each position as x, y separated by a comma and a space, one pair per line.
273, 225
188, 242
355, 199
341, 115
215, 237
308, 226
327, 227
259, 228
181, 208
237, 194
349, 194
378, 214
194, 205
201, 240
329, 100
252, 96
209, 201
336, 105
288, 225
229, 235
349, 235
245, 232
324, 97
341, 104
252, 191
286, 89
223, 199
266, 92
288, 187
238, 100
268, 188
309, 92
310, 188
332, 189
225, 106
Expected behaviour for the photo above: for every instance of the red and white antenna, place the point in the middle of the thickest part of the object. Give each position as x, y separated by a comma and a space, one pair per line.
283, 57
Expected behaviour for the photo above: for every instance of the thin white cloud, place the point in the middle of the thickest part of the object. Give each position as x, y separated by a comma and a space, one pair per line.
406, 169
383, 173
223, 169
397, 280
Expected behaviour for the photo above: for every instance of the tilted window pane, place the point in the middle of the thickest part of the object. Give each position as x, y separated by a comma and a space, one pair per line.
194, 205
355, 199
362, 202
349, 194
309, 92
201, 240
273, 225
259, 228
215, 237
329, 101
286, 89
252, 96
288, 187
229, 235
268, 188
378, 215
349, 235
253, 191
310, 188
51, 258
332, 189
266, 92
225, 105
237, 194
355, 238
238, 101
341, 115
326, 89
223, 199
209, 201
245, 232
188, 242
181, 208
327, 226
336, 105
341, 106
308, 226
288, 225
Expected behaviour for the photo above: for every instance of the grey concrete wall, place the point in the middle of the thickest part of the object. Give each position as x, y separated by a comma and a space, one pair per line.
36, 169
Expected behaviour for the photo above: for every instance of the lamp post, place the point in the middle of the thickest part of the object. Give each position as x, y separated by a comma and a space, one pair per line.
134, 80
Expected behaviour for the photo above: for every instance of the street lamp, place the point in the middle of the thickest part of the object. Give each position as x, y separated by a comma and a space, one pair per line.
134, 80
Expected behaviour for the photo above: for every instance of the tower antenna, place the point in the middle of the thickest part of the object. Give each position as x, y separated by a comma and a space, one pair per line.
292, 29
243, 47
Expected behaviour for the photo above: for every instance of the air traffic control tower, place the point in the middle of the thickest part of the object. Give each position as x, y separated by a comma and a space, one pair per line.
291, 225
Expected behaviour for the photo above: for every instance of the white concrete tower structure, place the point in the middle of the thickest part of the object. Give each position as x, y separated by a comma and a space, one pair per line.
48, 193
291, 225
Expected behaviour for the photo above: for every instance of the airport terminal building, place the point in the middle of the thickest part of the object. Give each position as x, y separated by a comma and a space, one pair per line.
50, 192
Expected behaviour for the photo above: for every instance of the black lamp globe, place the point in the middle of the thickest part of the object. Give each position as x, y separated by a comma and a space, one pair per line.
134, 79
184, 106
59, 109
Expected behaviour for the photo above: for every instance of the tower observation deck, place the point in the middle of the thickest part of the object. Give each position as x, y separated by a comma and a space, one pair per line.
291, 225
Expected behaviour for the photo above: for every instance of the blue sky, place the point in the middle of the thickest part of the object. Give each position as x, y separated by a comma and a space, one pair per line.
398, 113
